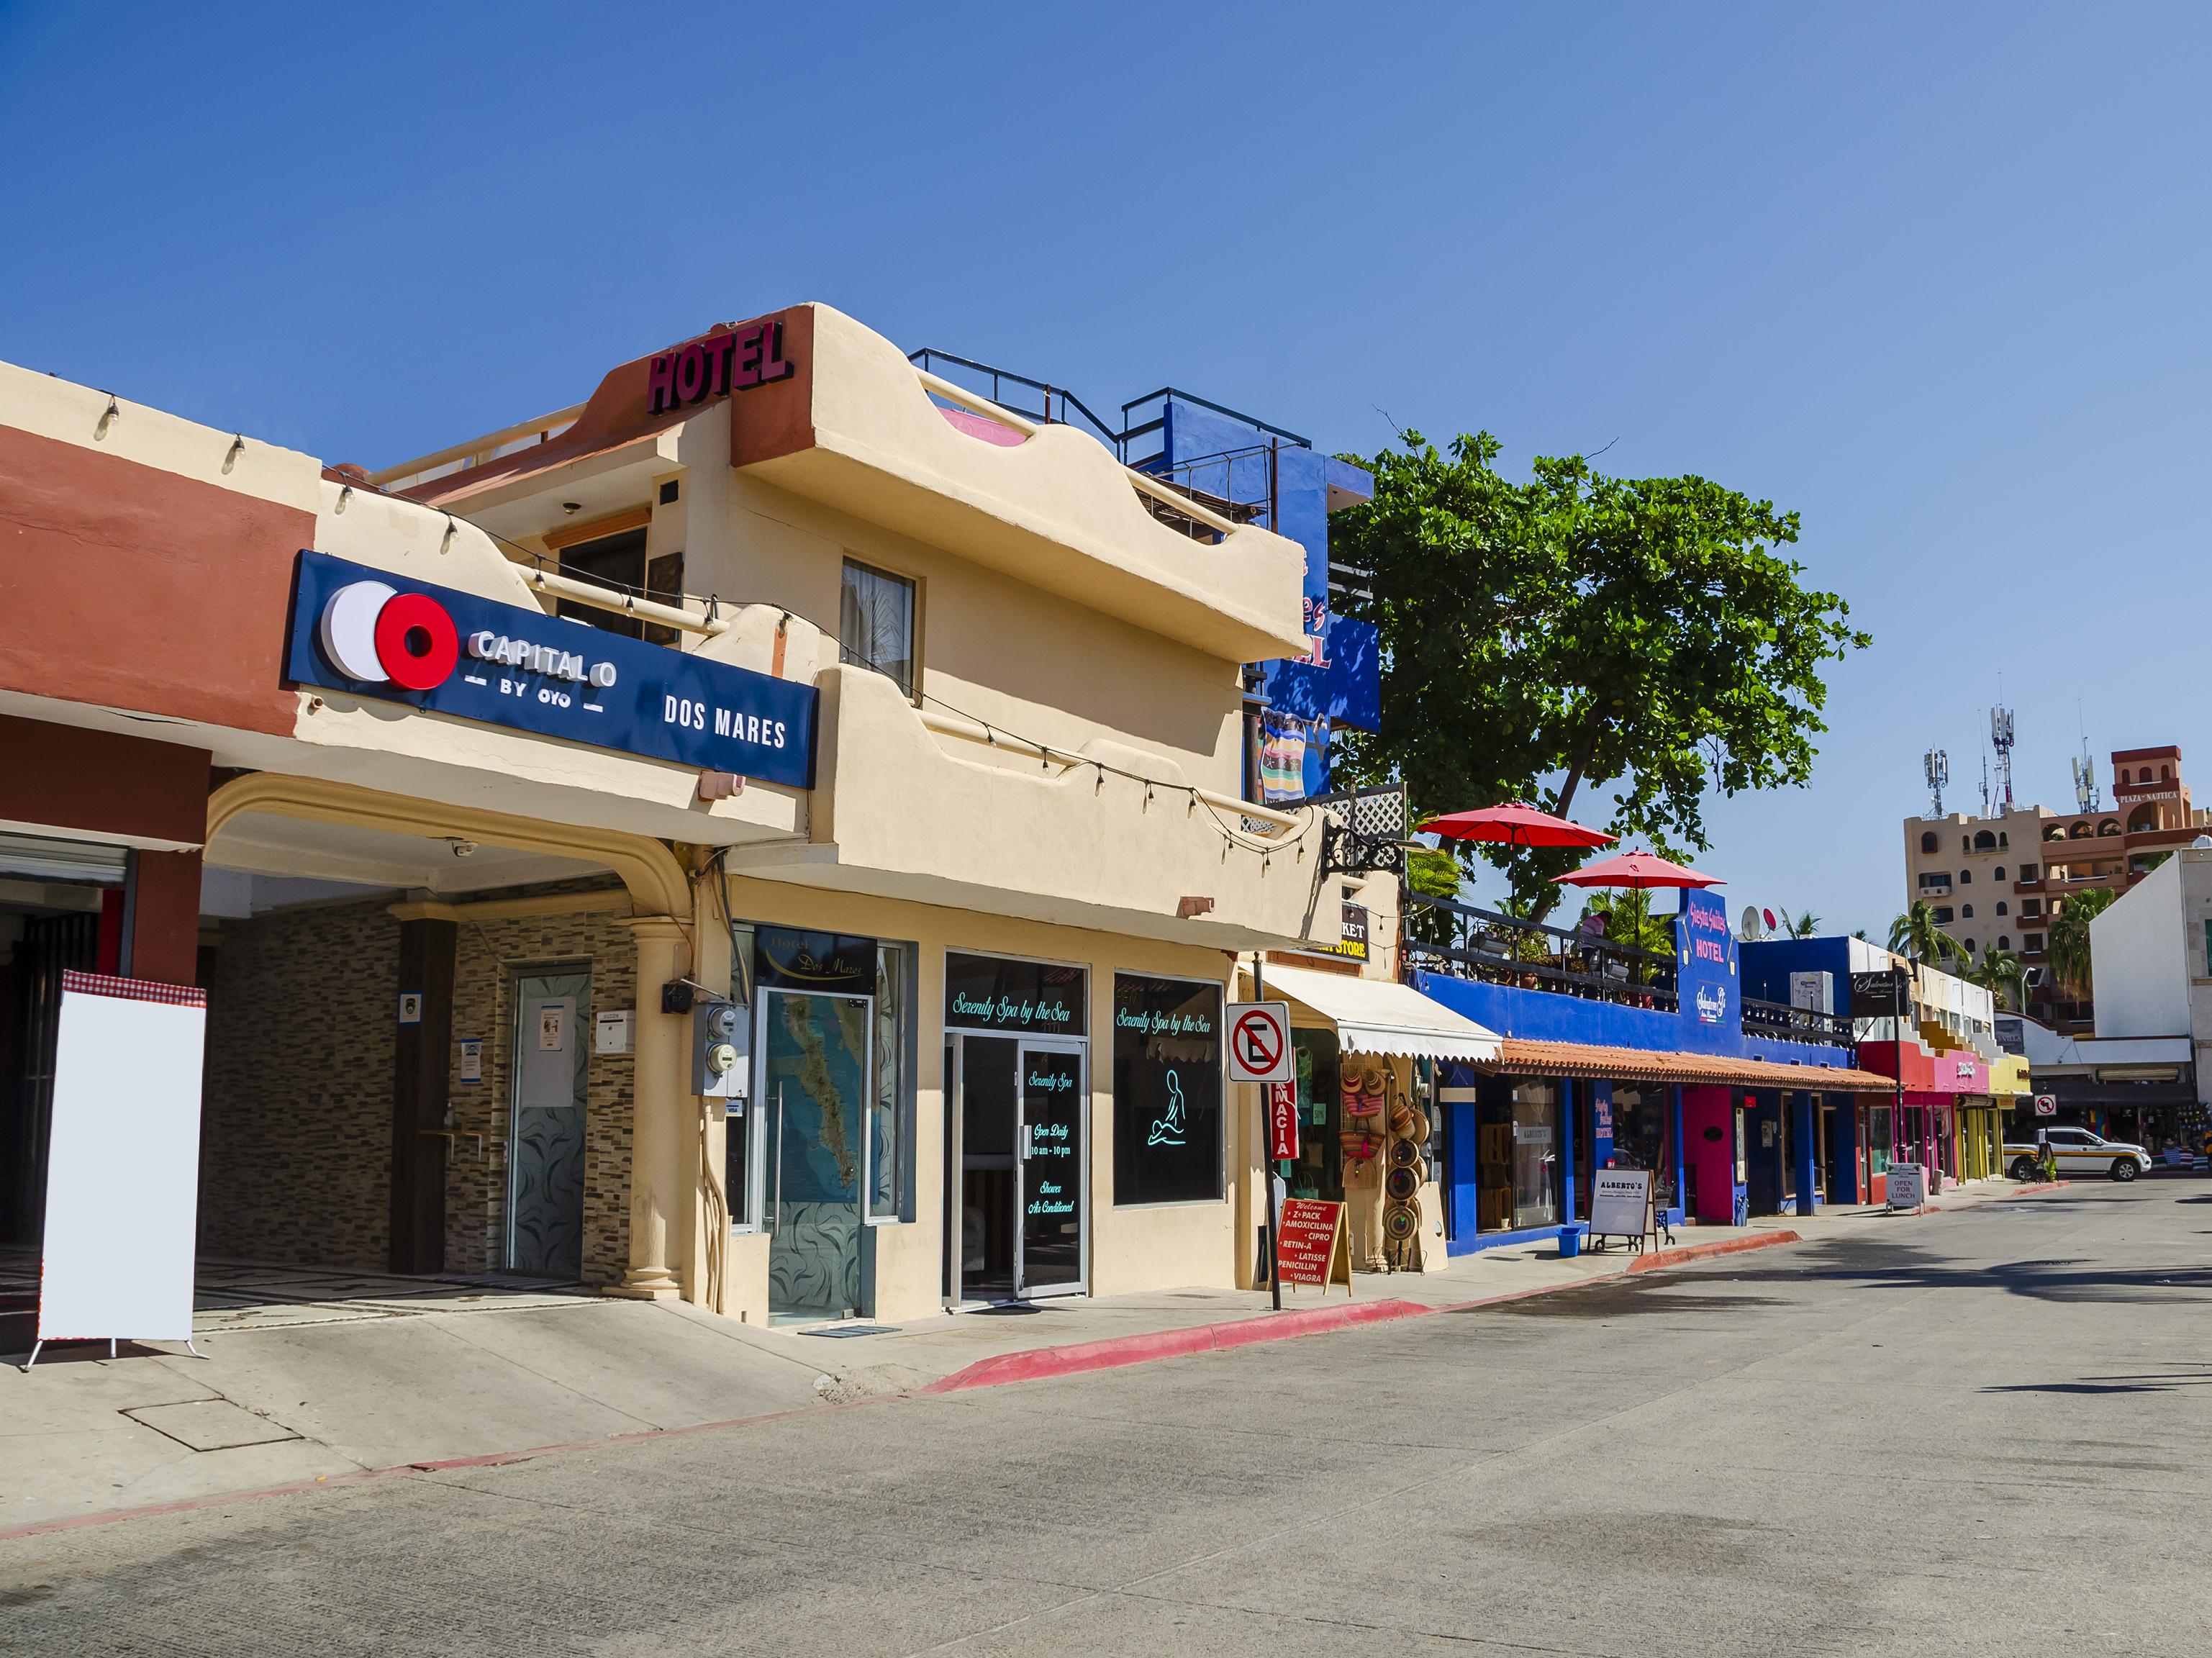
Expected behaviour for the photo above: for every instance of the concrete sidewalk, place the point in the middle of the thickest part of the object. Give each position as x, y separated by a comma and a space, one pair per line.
395, 1373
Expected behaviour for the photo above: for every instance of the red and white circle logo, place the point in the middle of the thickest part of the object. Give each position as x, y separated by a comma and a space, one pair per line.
375, 633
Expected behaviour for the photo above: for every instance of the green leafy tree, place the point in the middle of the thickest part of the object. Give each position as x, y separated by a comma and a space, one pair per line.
1807, 926
1917, 935
1579, 632
2070, 962
1999, 972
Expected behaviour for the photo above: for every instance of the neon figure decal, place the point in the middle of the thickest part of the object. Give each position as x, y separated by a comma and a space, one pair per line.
1168, 1129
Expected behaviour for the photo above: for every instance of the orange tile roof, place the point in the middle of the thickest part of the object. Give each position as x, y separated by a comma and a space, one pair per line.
1520, 1054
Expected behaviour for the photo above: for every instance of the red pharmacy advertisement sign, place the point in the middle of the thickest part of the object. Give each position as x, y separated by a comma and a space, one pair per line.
1283, 1121
1312, 1245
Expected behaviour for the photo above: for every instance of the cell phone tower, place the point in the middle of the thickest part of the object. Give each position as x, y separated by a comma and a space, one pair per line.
2000, 740
1936, 765
2085, 794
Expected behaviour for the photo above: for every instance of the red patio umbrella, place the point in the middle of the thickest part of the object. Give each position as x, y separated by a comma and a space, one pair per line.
1637, 871
1515, 825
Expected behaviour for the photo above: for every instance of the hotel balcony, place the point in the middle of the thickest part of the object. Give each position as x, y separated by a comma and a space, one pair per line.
1048, 504
938, 809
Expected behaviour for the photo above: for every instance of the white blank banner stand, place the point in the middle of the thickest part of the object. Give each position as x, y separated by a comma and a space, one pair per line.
122, 1167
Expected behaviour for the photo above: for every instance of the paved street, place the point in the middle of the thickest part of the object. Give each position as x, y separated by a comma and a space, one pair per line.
1968, 1433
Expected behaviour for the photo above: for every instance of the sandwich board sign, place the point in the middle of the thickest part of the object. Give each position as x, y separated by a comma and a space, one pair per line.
1312, 1245
123, 1163
1620, 1204
1260, 1042
1908, 1186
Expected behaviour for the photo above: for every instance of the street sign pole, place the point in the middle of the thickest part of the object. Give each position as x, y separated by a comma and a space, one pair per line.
1267, 1164
1897, 999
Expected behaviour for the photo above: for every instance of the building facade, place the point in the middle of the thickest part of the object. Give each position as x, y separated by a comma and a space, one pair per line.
1998, 881
1613, 1058
775, 834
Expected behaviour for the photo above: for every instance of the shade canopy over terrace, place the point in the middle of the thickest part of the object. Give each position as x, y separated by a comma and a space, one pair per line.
1515, 824
1637, 871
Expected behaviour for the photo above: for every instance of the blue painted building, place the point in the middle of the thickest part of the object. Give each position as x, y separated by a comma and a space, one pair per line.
1281, 481
1613, 1058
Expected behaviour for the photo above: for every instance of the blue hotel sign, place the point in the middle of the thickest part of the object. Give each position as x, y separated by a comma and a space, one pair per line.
1706, 962
373, 634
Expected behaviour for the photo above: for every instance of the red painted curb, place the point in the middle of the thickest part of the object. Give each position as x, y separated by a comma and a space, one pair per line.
1653, 1262
1078, 1357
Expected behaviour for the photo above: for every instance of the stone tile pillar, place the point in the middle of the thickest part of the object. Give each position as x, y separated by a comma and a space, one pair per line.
661, 1109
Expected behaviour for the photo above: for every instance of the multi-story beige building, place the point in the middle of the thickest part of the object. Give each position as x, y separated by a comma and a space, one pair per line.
773, 834
1997, 881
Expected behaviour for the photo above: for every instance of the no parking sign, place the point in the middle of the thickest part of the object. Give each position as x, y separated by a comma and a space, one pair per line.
1260, 1042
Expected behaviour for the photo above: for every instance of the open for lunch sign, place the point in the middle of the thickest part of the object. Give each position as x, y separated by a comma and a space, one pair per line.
1312, 1245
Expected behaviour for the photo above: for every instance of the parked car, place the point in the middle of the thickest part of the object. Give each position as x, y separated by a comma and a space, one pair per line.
2077, 1153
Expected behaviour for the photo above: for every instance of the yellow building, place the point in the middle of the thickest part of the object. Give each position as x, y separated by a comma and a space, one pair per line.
772, 833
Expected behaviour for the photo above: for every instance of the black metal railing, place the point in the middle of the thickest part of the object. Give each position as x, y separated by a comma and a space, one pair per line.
1445, 936
1053, 405
1795, 1024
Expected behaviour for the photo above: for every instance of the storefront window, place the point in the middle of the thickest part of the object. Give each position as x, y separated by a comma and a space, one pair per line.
1639, 1136
891, 1185
1167, 1090
1535, 1154
1879, 1140
1011, 997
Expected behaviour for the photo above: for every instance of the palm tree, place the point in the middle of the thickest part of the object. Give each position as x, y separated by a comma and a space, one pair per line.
1807, 926
2000, 974
1918, 937
2069, 939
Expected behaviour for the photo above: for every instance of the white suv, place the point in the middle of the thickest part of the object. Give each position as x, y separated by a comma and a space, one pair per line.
2080, 1153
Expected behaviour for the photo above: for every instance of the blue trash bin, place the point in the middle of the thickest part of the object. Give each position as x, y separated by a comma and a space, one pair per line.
1570, 1241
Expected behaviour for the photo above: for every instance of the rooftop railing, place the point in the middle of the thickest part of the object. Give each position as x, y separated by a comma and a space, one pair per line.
1795, 1024
1445, 936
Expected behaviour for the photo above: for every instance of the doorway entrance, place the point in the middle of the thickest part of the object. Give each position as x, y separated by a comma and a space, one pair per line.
815, 1061
1020, 1122
546, 1124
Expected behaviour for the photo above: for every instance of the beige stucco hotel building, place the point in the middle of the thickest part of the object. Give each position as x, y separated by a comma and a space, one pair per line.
770, 834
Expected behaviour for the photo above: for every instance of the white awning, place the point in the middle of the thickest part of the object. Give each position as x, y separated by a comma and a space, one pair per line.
1374, 1016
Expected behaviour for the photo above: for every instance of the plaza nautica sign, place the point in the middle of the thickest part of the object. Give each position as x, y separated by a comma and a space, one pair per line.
373, 634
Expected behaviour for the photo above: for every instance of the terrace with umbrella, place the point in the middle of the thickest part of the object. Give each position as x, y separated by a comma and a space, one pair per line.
1470, 942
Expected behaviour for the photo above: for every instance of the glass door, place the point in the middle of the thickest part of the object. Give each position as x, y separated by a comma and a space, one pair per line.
1053, 1169
989, 1189
815, 1068
545, 1125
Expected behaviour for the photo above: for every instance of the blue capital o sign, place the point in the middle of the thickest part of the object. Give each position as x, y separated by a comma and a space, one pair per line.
370, 633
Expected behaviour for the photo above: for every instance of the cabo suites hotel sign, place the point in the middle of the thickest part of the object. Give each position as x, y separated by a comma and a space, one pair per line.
369, 633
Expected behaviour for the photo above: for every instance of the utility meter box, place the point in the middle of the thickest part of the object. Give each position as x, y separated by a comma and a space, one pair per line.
721, 1049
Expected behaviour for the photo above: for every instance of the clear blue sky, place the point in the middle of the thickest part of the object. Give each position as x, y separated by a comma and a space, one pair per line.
1933, 276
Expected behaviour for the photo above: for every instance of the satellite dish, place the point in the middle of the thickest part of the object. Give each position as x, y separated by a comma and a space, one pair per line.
1750, 929
1769, 915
